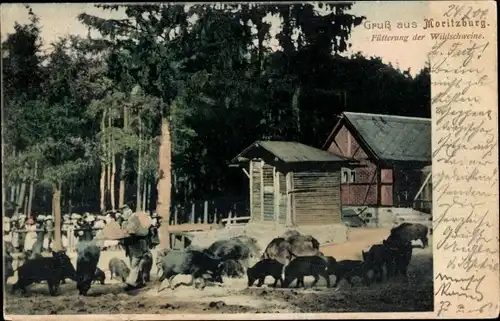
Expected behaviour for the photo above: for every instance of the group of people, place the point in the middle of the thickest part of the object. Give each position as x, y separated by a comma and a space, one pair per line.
26, 233
137, 233
23, 231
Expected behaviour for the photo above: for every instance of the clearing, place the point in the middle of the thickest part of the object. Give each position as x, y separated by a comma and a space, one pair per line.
235, 297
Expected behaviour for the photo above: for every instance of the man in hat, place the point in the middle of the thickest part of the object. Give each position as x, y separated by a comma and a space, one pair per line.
136, 247
18, 237
32, 239
119, 218
75, 218
100, 222
50, 232
85, 225
40, 234
108, 218
155, 225
126, 212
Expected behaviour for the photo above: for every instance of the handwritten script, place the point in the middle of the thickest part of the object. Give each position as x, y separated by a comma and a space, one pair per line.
465, 171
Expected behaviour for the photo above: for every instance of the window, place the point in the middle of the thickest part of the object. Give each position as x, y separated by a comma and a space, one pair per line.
345, 176
348, 175
353, 176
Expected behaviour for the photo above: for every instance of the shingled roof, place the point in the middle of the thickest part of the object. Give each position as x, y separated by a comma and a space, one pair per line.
290, 152
394, 138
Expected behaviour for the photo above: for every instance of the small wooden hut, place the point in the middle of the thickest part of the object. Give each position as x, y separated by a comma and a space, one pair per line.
291, 183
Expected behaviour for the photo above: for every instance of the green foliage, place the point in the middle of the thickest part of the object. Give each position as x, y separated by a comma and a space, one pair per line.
210, 70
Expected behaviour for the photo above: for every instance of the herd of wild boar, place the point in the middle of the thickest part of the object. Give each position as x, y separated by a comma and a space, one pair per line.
288, 258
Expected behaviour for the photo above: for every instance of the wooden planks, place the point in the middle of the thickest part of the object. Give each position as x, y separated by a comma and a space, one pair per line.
191, 227
316, 197
256, 189
282, 208
268, 198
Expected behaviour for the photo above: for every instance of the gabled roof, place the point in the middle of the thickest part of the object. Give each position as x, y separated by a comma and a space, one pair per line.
392, 138
290, 152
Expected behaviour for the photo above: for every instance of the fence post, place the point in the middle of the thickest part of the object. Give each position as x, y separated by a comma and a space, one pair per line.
229, 217
192, 214
205, 212
71, 239
176, 212
216, 220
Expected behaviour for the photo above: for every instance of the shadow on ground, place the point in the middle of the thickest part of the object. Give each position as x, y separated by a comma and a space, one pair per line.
234, 296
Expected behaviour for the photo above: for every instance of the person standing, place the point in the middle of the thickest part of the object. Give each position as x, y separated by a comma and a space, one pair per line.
136, 246
21, 227
75, 235
14, 231
49, 233
7, 230
37, 248
31, 237
153, 230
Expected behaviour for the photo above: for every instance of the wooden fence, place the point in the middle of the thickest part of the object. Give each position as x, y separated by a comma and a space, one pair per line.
194, 216
209, 212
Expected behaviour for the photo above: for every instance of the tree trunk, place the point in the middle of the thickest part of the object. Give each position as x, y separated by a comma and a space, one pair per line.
112, 188
71, 188
121, 195
18, 193
138, 206
21, 196
12, 196
296, 110
146, 203
25, 202
108, 164
148, 196
13, 187
102, 183
144, 193
32, 190
164, 183
56, 209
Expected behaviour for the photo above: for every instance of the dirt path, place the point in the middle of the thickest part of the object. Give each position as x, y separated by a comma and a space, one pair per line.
235, 297
358, 239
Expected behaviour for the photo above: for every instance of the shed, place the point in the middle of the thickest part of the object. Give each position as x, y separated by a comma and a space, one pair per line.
291, 183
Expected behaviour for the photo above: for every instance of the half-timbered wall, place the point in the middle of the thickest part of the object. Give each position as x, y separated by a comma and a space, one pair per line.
345, 144
316, 198
363, 190
386, 197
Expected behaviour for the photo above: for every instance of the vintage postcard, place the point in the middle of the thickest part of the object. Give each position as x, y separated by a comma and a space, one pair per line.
250, 160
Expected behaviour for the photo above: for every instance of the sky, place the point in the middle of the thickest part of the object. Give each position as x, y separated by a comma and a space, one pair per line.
59, 19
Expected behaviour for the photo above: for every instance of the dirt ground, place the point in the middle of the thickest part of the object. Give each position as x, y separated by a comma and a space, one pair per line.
235, 297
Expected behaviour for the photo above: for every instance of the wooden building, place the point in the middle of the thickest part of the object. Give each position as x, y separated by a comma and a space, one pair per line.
393, 152
291, 183
423, 200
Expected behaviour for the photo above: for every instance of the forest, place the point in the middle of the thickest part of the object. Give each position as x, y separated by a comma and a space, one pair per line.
150, 113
